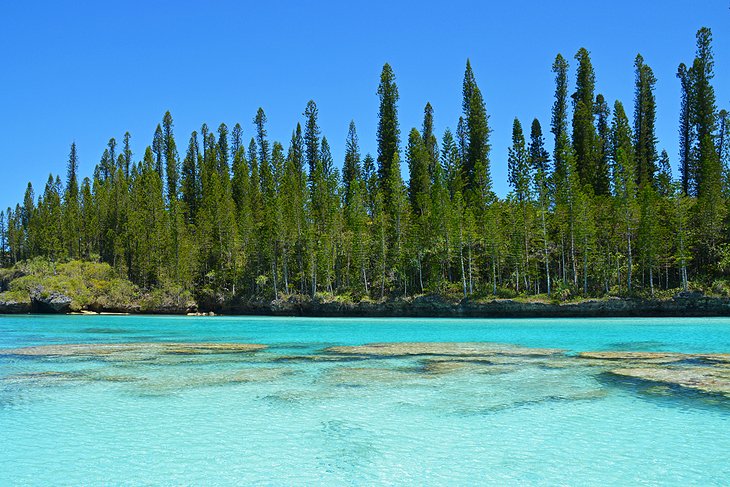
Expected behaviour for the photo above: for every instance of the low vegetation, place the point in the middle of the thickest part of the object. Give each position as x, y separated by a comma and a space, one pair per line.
90, 285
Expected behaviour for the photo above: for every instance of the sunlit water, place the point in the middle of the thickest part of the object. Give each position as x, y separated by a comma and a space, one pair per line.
275, 418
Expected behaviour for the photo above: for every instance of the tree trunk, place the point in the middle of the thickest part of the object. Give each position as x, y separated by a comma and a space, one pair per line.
585, 266
286, 271
273, 275
463, 275
494, 274
630, 263
651, 280
420, 273
471, 283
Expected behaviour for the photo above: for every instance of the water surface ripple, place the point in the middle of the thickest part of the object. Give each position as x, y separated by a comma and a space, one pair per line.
173, 402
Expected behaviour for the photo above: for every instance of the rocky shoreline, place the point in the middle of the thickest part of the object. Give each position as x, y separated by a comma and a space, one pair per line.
681, 305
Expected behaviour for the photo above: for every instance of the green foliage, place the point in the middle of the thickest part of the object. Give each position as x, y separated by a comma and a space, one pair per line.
476, 164
15, 296
585, 140
602, 216
721, 288
88, 284
388, 128
162, 299
644, 120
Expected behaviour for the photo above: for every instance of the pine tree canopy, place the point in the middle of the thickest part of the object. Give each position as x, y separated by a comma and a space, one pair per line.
593, 208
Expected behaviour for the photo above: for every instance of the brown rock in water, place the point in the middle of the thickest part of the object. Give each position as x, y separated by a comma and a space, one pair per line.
657, 357
151, 348
712, 380
475, 349
52, 377
443, 365
175, 383
367, 376
704, 372
630, 357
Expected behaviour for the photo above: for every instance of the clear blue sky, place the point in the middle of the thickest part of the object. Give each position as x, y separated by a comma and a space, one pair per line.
88, 71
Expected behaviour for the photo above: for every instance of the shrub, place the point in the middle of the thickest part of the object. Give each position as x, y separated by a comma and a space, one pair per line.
86, 283
562, 291
721, 288
15, 296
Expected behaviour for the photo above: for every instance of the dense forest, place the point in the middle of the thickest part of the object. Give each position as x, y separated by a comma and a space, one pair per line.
599, 215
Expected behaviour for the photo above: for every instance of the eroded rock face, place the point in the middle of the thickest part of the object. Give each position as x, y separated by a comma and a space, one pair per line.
128, 349
14, 307
693, 304
53, 303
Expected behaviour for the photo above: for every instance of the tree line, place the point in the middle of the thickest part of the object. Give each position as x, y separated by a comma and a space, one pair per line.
600, 215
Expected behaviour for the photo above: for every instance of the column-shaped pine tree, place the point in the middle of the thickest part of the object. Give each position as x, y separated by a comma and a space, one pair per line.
71, 209
539, 160
519, 175
189, 182
687, 165
710, 209
476, 167
388, 132
624, 183
172, 163
644, 121
419, 194
429, 138
585, 146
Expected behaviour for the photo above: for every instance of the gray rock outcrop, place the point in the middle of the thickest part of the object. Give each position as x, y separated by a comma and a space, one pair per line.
50, 303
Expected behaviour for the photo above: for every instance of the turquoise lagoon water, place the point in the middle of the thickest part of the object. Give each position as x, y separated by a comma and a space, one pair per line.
276, 417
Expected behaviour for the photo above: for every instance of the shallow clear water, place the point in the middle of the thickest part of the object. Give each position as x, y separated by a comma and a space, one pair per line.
277, 417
